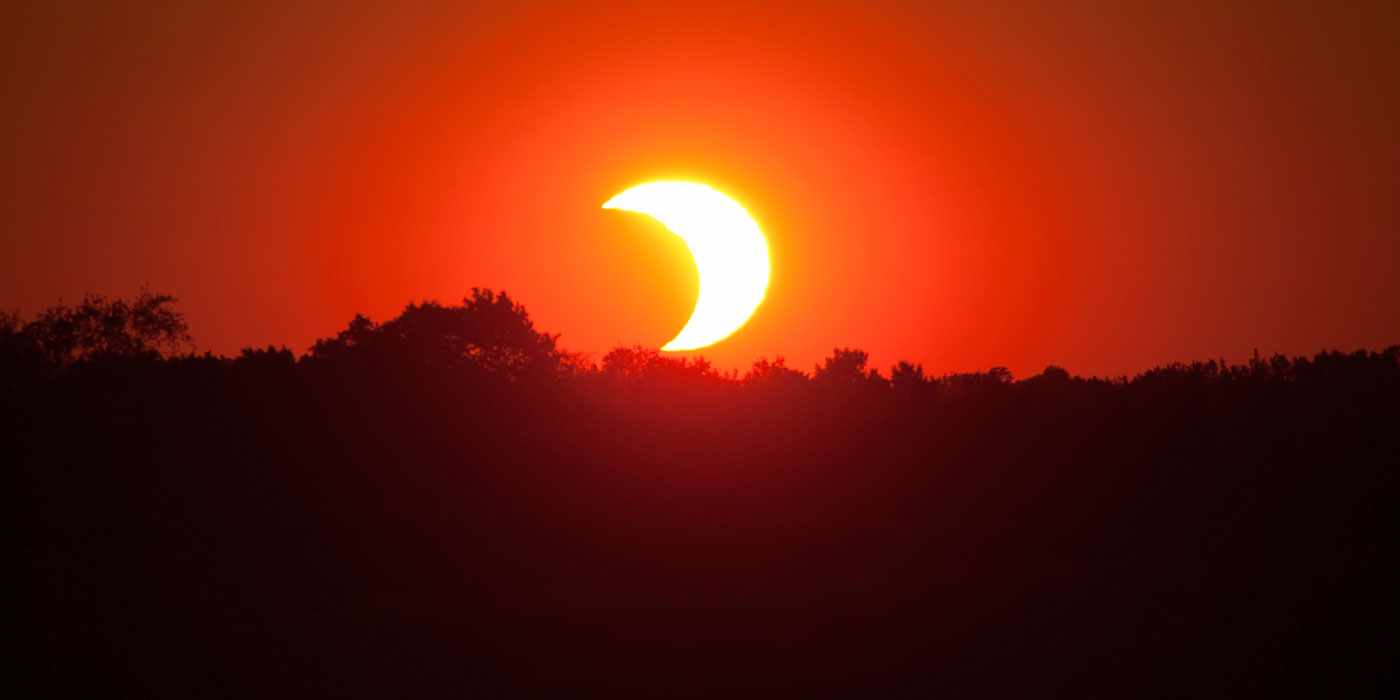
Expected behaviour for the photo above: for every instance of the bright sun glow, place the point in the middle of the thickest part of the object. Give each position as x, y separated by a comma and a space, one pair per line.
729, 252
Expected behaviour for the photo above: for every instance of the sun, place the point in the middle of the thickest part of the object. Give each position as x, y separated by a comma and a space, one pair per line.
729, 250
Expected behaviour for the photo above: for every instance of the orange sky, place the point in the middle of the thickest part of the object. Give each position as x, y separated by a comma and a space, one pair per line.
962, 184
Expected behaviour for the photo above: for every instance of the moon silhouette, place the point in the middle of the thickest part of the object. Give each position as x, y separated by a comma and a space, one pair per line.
729, 250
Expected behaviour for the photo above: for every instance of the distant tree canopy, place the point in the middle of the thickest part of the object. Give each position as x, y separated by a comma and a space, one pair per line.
637, 363
488, 332
775, 374
98, 328
491, 335
846, 369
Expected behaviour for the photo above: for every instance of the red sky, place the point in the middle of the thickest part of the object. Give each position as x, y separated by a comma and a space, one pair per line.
1093, 185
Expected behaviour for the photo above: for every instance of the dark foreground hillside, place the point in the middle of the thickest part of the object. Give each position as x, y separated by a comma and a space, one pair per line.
446, 506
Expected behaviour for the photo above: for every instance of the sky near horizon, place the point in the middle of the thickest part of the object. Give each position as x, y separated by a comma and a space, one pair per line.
1101, 186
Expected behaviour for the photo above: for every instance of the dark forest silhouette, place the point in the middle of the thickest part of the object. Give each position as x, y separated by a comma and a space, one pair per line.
449, 504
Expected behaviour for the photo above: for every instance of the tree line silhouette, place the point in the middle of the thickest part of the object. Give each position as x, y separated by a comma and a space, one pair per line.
449, 503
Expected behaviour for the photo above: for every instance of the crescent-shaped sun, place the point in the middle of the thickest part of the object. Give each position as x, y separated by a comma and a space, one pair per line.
729, 250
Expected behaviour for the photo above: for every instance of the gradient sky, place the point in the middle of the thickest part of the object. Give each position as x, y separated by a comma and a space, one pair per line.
1096, 185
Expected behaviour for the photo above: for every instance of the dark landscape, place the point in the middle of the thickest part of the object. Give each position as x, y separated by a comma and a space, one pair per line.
447, 504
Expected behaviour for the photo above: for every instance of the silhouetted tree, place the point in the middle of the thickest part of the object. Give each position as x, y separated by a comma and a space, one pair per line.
10, 324
845, 370
360, 333
962, 385
488, 333
270, 354
147, 326
774, 375
909, 383
269, 358
20, 356
636, 363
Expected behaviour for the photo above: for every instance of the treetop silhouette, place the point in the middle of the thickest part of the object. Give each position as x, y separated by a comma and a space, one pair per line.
487, 333
97, 329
